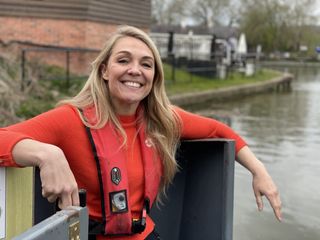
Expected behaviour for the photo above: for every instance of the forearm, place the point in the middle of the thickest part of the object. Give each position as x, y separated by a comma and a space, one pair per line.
28, 152
247, 159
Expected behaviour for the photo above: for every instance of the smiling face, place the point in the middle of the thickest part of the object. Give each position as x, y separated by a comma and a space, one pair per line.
129, 72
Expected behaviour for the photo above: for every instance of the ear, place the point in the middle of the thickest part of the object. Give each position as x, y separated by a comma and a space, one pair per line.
104, 72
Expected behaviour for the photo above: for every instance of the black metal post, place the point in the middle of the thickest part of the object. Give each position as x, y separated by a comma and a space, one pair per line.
171, 55
68, 68
23, 58
173, 67
213, 47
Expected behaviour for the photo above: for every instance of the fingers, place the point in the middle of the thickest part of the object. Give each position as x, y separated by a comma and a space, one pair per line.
50, 196
259, 201
263, 185
75, 198
64, 200
66, 196
277, 212
275, 202
67, 200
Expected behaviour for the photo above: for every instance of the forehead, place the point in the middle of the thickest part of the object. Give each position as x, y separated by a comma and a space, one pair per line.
132, 45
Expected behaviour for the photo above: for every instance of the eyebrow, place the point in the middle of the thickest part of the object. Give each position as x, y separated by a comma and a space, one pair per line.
128, 52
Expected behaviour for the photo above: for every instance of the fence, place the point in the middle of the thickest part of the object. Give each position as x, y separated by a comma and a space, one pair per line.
203, 55
68, 61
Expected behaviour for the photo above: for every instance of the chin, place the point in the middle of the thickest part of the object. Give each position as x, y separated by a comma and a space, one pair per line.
131, 101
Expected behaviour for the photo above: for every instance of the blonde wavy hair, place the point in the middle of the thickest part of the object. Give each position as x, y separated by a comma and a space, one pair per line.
162, 123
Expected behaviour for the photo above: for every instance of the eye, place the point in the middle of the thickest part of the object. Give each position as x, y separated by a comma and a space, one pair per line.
147, 65
123, 60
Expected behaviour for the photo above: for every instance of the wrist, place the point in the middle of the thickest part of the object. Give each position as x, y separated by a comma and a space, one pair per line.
45, 152
28, 152
247, 159
258, 168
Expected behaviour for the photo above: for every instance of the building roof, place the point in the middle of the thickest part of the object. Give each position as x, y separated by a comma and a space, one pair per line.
133, 12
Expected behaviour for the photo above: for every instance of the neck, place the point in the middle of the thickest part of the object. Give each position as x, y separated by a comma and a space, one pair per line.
126, 109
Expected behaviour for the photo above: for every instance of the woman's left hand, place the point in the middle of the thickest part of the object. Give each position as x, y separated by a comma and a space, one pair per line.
263, 185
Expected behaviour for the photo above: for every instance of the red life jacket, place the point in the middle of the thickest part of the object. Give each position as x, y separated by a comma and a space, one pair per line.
113, 178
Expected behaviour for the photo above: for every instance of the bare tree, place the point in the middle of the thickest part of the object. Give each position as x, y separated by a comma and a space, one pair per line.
276, 24
208, 12
171, 12
196, 12
300, 17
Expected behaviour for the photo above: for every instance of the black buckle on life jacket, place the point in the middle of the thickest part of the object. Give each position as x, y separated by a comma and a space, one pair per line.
138, 225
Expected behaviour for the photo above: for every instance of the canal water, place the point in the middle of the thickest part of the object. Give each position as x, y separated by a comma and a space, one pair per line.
283, 129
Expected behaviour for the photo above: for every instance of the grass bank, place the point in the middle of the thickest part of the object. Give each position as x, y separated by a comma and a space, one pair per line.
185, 82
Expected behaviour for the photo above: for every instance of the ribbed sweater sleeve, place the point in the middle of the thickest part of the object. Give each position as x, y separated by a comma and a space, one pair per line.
47, 127
199, 127
9, 139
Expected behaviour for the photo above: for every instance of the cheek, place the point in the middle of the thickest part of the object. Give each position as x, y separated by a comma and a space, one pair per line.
113, 71
150, 84
113, 87
113, 79
151, 77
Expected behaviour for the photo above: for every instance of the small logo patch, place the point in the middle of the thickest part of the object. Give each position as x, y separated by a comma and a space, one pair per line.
148, 142
116, 175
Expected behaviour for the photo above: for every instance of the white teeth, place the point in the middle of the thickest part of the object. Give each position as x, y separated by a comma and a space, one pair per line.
133, 84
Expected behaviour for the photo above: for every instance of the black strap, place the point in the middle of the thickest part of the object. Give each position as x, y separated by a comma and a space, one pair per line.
92, 237
96, 158
94, 150
96, 227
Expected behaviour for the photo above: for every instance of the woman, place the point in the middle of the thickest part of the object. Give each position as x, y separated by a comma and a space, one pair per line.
117, 139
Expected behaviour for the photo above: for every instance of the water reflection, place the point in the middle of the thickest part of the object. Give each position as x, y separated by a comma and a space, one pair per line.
283, 129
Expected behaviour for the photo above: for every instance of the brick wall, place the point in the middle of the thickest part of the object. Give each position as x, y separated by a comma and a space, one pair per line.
54, 32
57, 32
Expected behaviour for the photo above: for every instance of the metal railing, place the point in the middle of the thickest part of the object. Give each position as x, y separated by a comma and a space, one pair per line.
66, 50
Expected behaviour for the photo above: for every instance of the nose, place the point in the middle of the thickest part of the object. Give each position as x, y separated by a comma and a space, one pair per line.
134, 69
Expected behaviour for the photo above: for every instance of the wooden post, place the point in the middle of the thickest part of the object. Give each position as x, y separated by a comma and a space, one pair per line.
18, 201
